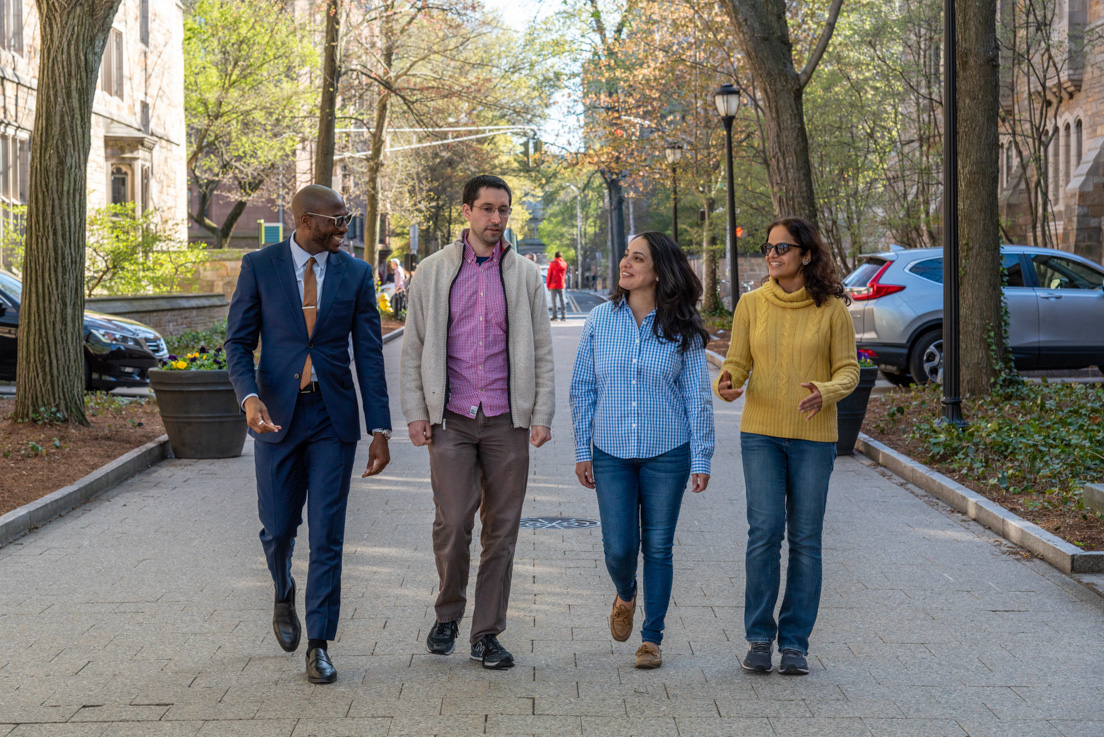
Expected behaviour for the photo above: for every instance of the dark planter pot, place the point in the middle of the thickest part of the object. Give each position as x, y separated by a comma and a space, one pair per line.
200, 412
852, 409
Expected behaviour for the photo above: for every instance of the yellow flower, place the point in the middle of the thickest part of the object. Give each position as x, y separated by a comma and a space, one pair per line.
192, 355
180, 365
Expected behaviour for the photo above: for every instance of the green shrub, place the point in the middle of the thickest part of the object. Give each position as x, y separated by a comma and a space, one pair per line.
191, 341
1043, 439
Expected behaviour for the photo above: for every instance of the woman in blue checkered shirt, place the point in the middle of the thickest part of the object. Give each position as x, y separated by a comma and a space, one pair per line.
643, 421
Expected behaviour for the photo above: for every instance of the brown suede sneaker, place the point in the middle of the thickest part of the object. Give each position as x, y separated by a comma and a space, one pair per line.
648, 656
621, 619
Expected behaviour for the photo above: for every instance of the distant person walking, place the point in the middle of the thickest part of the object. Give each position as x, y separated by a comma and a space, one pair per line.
643, 422
557, 269
795, 340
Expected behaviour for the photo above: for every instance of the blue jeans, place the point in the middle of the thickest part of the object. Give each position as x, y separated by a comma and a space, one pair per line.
638, 502
787, 490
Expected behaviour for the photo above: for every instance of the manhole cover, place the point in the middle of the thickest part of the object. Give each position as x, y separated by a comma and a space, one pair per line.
556, 523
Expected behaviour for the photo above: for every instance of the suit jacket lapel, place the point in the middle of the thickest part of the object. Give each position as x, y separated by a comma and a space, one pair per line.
335, 274
285, 274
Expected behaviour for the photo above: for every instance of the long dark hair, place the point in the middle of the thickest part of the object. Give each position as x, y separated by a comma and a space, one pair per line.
677, 294
821, 278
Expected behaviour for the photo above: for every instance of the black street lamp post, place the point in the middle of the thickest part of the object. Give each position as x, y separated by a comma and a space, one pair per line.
952, 403
727, 98
674, 156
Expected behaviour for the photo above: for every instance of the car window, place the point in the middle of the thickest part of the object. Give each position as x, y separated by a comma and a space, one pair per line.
1055, 272
12, 286
930, 269
1013, 267
863, 274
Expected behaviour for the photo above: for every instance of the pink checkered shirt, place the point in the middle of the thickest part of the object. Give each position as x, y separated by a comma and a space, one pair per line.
478, 367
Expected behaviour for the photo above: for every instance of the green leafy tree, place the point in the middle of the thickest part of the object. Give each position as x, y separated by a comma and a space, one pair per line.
244, 101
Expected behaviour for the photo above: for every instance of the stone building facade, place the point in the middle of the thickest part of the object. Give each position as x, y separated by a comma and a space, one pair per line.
138, 145
1076, 153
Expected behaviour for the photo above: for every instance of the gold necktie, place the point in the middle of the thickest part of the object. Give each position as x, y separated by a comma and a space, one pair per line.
310, 314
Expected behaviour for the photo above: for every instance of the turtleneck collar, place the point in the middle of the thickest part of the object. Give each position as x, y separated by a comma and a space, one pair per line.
775, 293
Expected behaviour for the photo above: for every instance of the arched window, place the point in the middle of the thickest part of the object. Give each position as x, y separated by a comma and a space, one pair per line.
1055, 169
1067, 172
1077, 136
1008, 163
1003, 173
120, 185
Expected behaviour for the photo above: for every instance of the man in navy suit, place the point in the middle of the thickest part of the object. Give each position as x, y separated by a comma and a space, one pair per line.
303, 298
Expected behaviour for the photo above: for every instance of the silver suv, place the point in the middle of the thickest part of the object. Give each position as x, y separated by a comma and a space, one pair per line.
1055, 304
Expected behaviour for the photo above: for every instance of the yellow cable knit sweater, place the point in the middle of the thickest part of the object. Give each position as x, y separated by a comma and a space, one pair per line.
781, 340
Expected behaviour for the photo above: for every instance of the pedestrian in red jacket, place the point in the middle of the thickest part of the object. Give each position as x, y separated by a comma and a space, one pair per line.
557, 268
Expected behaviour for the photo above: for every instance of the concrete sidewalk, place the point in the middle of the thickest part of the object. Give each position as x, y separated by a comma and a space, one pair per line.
148, 612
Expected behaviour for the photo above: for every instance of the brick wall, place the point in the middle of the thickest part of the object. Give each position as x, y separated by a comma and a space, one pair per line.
167, 314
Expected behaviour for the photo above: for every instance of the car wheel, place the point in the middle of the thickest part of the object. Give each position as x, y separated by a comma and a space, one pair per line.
897, 379
926, 358
87, 376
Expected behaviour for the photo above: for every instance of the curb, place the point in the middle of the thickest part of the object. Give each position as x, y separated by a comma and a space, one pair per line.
34, 514
393, 335
1059, 553
714, 358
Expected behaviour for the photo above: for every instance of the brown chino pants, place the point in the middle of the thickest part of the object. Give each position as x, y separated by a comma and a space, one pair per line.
479, 463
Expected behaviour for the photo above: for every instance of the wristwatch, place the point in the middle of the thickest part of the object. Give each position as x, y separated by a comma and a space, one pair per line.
385, 433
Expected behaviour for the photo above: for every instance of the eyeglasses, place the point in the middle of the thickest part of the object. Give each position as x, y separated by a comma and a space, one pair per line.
489, 210
340, 221
779, 248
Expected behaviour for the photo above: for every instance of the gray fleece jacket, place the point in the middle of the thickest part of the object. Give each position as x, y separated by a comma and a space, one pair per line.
424, 369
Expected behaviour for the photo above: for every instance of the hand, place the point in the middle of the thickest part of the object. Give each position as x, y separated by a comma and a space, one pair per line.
539, 435
256, 416
379, 455
701, 480
421, 432
585, 471
726, 390
811, 404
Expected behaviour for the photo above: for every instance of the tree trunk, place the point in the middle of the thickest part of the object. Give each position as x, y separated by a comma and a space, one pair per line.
617, 228
378, 142
762, 32
327, 115
50, 371
711, 296
978, 221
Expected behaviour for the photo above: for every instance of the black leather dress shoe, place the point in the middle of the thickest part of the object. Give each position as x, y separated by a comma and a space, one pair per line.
320, 668
285, 622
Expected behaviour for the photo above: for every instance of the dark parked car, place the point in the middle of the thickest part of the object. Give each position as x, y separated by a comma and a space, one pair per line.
1055, 307
117, 352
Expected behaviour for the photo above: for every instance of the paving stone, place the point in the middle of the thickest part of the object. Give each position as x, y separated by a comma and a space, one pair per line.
499, 724
821, 727
359, 727
59, 730
630, 726
724, 727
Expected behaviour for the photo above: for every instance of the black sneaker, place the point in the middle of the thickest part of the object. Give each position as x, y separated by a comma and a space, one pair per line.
758, 658
793, 663
442, 638
493, 656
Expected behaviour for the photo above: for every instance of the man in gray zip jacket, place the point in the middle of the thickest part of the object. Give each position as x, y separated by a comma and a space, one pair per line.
477, 385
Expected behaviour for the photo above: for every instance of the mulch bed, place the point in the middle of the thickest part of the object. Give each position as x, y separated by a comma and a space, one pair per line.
1072, 525
38, 459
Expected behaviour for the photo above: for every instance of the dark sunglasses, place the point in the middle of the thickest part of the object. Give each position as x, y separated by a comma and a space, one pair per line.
779, 248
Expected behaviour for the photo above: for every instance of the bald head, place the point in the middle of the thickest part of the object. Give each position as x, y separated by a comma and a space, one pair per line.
315, 198
317, 210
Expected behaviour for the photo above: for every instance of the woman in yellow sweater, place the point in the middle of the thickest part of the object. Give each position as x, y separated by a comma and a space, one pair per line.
794, 343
